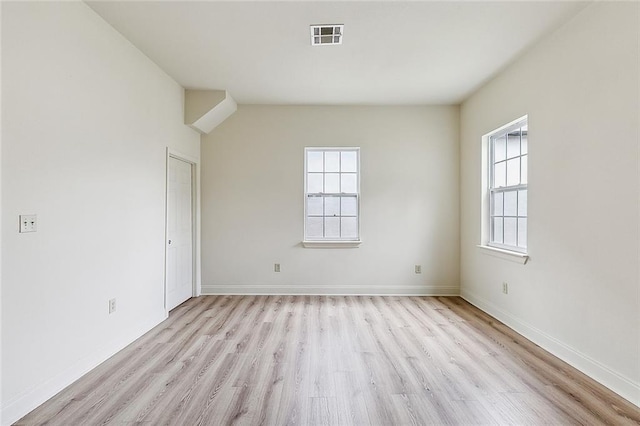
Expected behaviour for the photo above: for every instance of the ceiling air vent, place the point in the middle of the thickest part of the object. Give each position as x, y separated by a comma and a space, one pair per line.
326, 34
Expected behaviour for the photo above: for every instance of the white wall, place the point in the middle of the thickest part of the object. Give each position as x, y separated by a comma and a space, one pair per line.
0, 218
252, 201
86, 122
579, 295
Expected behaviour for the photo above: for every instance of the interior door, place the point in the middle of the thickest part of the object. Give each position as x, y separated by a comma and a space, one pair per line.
179, 248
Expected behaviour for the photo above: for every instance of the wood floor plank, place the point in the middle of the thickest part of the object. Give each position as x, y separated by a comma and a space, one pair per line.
330, 360
578, 392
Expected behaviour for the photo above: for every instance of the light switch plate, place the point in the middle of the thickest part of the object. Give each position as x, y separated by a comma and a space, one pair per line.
28, 223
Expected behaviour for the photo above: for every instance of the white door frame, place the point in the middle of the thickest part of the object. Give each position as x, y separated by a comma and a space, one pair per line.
195, 220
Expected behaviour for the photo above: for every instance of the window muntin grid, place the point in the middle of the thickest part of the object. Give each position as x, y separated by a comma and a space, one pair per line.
332, 194
508, 192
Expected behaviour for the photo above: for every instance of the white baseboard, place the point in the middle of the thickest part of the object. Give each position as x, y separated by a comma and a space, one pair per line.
619, 384
19, 406
331, 290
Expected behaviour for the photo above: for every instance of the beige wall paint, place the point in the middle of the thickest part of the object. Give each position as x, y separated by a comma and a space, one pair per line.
252, 200
86, 122
579, 294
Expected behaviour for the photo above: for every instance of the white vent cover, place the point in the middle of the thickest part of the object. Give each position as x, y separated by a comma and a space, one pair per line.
326, 34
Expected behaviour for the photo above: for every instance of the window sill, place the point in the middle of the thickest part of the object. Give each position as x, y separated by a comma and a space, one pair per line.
512, 256
331, 244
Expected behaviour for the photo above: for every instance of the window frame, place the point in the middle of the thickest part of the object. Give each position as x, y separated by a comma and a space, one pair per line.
492, 189
324, 241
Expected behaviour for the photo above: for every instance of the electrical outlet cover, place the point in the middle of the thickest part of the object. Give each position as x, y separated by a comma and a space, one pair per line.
28, 223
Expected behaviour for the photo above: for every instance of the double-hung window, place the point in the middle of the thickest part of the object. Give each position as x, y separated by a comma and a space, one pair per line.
508, 149
332, 194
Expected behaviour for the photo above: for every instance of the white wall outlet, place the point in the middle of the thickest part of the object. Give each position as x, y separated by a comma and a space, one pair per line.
112, 305
28, 223
276, 267
505, 288
418, 269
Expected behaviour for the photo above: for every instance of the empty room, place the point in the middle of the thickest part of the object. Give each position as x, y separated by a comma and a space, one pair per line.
317, 212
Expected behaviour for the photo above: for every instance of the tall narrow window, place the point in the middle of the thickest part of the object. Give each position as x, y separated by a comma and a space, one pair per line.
508, 154
332, 192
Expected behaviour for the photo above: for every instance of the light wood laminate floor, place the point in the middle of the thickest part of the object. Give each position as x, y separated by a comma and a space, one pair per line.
322, 360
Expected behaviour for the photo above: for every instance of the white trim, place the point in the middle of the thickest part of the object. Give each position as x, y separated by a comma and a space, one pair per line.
25, 402
306, 194
181, 156
507, 126
623, 386
331, 244
512, 256
486, 224
330, 290
195, 200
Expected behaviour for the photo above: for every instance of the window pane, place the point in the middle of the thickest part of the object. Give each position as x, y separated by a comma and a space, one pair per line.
522, 232
499, 175
499, 149
349, 227
330, 173
332, 182
314, 227
332, 227
314, 182
349, 161
314, 206
314, 161
513, 171
522, 203
510, 203
349, 206
510, 224
497, 204
497, 230
332, 161
349, 183
332, 206
508, 171
513, 144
